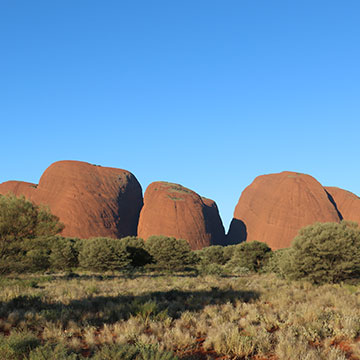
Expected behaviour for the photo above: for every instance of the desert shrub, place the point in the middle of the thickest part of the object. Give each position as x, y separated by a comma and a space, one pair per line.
21, 219
250, 255
278, 262
228, 252
136, 248
26, 255
17, 345
21, 222
212, 269
168, 252
212, 255
64, 253
102, 254
325, 253
52, 351
133, 352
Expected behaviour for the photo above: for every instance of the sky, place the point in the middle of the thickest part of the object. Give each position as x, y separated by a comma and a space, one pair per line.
207, 94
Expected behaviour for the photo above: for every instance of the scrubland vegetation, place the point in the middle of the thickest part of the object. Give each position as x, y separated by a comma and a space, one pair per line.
102, 298
176, 316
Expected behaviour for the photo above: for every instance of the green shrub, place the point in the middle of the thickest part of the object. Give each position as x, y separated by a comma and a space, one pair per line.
212, 269
250, 255
133, 352
169, 253
212, 255
228, 252
26, 255
136, 249
103, 254
64, 253
21, 225
52, 351
17, 345
21, 219
278, 262
326, 253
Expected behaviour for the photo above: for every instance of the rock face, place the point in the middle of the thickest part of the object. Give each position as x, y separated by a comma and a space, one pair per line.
173, 210
275, 207
18, 188
90, 200
346, 202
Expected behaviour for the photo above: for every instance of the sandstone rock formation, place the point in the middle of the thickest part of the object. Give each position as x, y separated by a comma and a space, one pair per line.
347, 203
173, 210
274, 207
90, 200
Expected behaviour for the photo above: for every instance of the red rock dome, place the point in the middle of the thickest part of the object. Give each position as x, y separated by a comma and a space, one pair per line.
275, 207
346, 202
173, 210
89, 200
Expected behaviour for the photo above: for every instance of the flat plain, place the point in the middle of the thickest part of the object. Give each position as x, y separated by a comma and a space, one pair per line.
169, 316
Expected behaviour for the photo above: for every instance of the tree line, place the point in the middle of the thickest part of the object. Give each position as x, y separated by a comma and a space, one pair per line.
29, 242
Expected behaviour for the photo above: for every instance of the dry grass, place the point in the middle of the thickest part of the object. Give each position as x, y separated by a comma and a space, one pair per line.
247, 317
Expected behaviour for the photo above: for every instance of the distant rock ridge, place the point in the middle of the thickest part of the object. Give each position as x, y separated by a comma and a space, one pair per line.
174, 210
90, 200
276, 206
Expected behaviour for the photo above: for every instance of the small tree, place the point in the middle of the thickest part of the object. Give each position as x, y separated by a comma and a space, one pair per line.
250, 255
168, 252
278, 262
21, 219
212, 255
102, 254
326, 253
64, 253
136, 249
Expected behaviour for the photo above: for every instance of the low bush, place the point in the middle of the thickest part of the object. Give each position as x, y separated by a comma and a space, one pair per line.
212, 255
169, 253
103, 254
325, 253
212, 269
250, 255
17, 345
136, 249
278, 262
52, 351
133, 352
64, 253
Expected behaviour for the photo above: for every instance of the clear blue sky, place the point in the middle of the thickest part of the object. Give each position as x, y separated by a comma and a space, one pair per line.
208, 94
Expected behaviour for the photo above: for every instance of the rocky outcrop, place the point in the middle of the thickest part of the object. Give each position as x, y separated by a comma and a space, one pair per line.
89, 200
275, 207
173, 210
347, 203
18, 188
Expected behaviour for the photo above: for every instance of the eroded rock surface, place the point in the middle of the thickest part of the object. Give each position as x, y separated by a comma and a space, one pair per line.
275, 207
89, 200
347, 203
173, 210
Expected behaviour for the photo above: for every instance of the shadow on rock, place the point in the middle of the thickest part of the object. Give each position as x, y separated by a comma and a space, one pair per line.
237, 232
